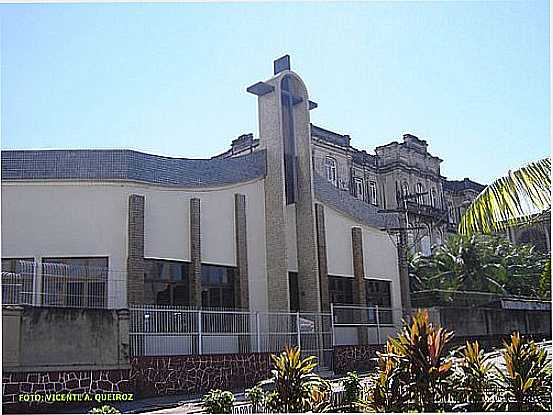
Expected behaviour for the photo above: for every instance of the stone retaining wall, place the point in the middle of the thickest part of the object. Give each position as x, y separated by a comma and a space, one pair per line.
355, 357
147, 377
41, 384
169, 375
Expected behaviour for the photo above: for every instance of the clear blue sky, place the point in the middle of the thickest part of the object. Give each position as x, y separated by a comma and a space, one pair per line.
472, 78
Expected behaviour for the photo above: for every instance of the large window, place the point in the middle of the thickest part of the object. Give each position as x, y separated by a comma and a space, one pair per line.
17, 280
75, 281
218, 286
294, 291
340, 290
373, 193
420, 196
378, 293
359, 188
166, 282
330, 168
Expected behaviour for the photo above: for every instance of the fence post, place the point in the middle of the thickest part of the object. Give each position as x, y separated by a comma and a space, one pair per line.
377, 324
298, 329
258, 331
200, 332
332, 323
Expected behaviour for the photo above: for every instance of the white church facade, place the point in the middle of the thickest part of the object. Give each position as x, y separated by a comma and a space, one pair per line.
264, 230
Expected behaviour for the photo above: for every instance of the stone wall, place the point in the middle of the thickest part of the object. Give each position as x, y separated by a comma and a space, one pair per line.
169, 375
147, 377
15, 384
359, 358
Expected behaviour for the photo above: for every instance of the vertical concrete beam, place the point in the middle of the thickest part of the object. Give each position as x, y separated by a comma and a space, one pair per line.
360, 294
322, 257
403, 267
195, 254
270, 139
11, 336
242, 296
123, 316
135, 250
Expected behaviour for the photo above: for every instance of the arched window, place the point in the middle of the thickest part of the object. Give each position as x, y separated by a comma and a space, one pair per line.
420, 196
330, 168
404, 189
433, 199
359, 188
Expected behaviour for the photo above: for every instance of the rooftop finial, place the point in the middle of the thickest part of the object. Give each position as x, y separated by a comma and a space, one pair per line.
281, 64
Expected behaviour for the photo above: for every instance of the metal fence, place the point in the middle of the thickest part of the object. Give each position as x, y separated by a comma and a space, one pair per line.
60, 285
355, 324
168, 330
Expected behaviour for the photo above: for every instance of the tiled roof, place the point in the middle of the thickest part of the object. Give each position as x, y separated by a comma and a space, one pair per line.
129, 165
345, 203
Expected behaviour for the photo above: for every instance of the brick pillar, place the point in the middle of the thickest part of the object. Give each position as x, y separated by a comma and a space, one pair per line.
242, 298
359, 274
321, 256
135, 250
195, 254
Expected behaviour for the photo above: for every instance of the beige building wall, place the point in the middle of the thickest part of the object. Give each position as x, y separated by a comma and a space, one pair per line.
89, 219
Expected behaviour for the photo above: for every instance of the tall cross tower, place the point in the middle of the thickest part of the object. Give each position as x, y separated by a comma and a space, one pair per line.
285, 134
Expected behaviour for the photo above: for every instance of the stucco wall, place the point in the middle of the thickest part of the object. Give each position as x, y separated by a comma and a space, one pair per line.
90, 219
50, 338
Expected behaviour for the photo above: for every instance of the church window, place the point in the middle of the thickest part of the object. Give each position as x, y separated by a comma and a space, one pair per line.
359, 188
378, 293
340, 290
218, 286
330, 168
373, 193
166, 282
75, 281
420, 196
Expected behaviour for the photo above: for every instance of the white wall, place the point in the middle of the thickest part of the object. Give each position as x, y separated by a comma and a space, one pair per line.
80, 219
379, 251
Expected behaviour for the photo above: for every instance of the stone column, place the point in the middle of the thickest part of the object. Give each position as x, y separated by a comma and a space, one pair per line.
321, 255
135, 250
360, 295
242, 297
123, 316
195, 254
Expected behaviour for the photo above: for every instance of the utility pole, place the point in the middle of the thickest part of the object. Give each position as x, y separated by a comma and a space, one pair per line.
402, 247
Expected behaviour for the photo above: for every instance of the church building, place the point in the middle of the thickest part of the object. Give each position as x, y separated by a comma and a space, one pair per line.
296, 219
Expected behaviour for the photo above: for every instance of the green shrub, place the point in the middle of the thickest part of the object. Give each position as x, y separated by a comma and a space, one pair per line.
476, 380
256, 396
352, 391
218, 402
527, 378
297, 388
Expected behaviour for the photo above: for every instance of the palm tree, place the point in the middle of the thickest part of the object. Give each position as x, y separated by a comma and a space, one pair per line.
520, 198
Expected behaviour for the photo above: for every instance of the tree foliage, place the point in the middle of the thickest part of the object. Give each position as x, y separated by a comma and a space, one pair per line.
517, 199
481, 263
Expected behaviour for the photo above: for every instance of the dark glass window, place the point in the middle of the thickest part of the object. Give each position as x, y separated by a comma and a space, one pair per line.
378, 293
166, 282
294, 291
340, 290
17, 280
218, 286
75, 282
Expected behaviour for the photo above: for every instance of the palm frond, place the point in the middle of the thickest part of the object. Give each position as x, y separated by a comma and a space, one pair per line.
519, 198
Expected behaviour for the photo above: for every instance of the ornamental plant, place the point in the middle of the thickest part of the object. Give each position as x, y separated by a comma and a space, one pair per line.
476, 380
526, 380
414, 372
218, 402
296, 387
352, 391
